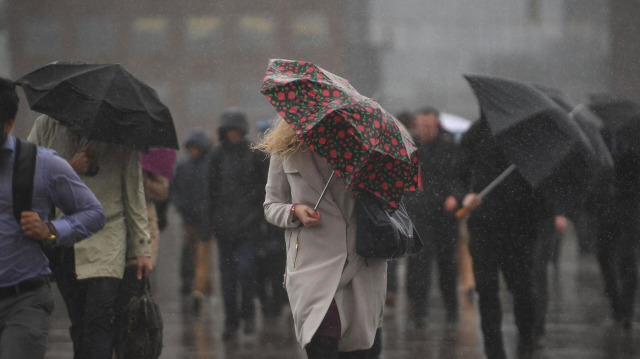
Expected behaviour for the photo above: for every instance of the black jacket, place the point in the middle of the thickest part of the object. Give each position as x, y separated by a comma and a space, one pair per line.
438, 163
237, 183
513, 203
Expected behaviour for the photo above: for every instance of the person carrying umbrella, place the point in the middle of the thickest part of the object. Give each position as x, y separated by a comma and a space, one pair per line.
331, 131
522, 145
103, 117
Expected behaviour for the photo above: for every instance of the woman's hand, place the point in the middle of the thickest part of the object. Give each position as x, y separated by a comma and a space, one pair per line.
307, 216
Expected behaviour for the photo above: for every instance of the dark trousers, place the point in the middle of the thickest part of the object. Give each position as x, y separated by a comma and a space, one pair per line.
269, 270
90, 304
237, 266
325, 343
24, 324
617, 247
509, 250
546, 249
441, 244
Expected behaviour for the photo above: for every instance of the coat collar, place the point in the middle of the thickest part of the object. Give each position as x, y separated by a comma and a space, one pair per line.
305, 164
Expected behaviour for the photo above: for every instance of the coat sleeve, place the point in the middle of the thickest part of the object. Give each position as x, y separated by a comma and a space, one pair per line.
277, 202
135, 208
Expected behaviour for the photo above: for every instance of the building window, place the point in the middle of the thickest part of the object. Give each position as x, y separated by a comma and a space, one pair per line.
43, 37
203, 33
310, 30
96, 36
205, 100
256, 32
150, 35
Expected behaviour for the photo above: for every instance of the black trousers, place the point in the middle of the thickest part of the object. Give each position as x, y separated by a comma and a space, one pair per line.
322, 347
509, 250
237, 267
90, 304
547, 247
441, 244
617, 248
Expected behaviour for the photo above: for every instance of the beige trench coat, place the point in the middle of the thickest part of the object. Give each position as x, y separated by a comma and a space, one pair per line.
325, 265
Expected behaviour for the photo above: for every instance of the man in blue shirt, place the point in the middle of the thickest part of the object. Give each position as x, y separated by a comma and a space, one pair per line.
26, 301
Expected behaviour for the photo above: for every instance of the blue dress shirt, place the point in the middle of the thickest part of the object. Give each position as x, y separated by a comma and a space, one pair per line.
55, 182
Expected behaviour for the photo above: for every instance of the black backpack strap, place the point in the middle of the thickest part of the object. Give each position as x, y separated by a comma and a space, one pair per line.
24, 169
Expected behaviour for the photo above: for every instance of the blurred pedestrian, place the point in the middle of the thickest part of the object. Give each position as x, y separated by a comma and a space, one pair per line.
503, 229
26, 302
270, 256
618, 237
236, 193
89, 275
336, 296
189, 194
431, 209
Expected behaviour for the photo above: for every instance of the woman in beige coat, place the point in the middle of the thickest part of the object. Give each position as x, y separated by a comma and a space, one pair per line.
336, 296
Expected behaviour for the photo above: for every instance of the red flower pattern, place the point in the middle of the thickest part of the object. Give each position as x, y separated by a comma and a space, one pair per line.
361, 141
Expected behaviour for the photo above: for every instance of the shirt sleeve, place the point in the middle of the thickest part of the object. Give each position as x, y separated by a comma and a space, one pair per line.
83, 213
135, 208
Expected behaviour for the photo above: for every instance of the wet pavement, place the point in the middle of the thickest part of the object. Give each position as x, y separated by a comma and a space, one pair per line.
578, 324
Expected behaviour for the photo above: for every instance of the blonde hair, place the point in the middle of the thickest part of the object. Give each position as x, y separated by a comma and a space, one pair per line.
280, 140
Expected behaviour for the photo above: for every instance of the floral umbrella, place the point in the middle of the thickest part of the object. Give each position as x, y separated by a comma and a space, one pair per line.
359, 139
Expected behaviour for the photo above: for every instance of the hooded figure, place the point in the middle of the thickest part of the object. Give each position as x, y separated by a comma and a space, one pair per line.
237, 180
190, 181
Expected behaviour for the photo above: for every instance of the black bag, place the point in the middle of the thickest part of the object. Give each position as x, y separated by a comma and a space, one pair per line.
24, 169
383, 233
140, 327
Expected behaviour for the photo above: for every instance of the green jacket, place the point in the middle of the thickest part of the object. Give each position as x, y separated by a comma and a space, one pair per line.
119, 188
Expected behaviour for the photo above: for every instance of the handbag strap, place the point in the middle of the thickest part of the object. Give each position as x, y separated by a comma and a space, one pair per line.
24, 169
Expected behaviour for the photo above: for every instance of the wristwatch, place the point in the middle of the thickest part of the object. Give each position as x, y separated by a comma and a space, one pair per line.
53, 234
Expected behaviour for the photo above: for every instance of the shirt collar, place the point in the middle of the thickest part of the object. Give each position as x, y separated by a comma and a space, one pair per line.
9, 145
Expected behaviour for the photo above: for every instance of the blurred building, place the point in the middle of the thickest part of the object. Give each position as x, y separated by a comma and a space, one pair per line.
5, 67
428, 45
200, 55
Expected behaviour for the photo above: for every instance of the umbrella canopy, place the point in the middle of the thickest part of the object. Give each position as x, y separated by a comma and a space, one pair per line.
159, 161
454, 124
621, 116
361, 141
535, 133
102, 102
590, 125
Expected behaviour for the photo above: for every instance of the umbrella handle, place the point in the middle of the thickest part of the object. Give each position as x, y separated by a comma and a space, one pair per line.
315, 208
462, 212
488, 189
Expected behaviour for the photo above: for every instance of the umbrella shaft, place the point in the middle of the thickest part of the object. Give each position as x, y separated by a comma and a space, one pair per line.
496, 181
324, 191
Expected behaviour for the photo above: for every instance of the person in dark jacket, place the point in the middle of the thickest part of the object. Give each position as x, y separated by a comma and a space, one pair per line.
503, 228
431, 209
236, 192
271, 256
618, 209
188, 193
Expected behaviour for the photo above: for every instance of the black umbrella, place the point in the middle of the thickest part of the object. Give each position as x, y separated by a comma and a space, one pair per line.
621, 116
536, 134
590, 125
102, 102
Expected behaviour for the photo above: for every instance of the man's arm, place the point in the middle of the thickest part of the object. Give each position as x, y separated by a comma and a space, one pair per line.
135, 210
83, 214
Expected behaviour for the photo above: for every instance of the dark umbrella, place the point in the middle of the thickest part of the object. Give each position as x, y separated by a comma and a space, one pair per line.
621, 117
102, 102
359, 139
536, 134
590, 125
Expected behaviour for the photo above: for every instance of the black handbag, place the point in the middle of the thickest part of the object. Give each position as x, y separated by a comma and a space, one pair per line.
383, 233
140, 328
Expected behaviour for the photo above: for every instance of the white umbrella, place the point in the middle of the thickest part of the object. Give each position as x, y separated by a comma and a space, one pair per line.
454, 124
